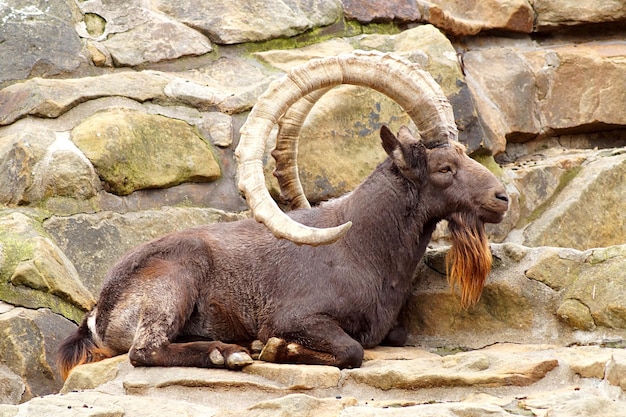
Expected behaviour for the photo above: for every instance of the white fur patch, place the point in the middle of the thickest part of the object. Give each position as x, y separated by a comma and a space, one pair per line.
91, 325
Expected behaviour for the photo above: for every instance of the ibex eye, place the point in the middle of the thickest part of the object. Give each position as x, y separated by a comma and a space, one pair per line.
445, 170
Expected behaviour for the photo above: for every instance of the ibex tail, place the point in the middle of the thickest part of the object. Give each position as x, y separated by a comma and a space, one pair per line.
80, 348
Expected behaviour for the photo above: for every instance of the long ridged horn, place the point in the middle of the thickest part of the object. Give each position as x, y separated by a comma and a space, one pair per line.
286, 151
413, 89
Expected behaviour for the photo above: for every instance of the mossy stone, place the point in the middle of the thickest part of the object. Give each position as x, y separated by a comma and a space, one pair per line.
132, 150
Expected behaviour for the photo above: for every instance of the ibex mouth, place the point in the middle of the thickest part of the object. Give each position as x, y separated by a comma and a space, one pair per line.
492, 216
495, 209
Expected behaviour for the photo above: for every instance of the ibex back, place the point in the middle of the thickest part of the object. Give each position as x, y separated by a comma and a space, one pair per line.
200, 297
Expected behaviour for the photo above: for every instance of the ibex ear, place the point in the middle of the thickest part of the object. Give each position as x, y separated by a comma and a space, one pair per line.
407, 152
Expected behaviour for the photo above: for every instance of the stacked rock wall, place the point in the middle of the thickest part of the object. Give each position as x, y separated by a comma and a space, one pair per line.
118, 123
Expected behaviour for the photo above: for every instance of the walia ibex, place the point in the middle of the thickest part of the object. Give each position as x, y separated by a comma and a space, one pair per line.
316, 285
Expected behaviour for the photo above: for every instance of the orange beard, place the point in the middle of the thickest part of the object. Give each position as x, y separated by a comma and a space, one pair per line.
468, 261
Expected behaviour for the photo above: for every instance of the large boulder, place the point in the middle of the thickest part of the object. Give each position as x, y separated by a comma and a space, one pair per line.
557, 90
51, 98
37, 38
225, 22
576, 86
156, 40
533, 295
30, 339
135, 35
463, 18
11, 386
508, 76
594, 297
19, 153
35, 273
132, 150
367, 11
93, 242
554, 14
37, 164
585, 210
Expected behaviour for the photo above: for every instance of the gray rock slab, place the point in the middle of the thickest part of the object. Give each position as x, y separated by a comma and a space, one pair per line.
93, 242
225, 22
573, 383
11, 386
39, 38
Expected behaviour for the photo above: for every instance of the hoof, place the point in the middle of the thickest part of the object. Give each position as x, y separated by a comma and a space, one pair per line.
216, 357
238, 360
278, 350
256, 347
271, 349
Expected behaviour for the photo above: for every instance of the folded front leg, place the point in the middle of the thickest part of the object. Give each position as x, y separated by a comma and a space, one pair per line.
316, 340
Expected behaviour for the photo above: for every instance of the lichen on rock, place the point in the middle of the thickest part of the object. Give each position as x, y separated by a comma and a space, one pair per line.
132, 150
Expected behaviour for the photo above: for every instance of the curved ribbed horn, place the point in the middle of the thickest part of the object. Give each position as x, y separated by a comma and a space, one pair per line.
286, 151
413, 89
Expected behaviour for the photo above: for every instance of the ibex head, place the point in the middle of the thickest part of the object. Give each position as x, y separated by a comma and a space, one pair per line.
456, 188
448, 172
287, 102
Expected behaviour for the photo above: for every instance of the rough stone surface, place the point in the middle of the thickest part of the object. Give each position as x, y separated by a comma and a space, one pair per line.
104, 237
92, 375
373, 11
146, 43
538, 181
11, 386
552, 14
225, 22
501, 380
19, 153
39, 37
508, 76
230, 85
35, 273
50, 98
565, 220
296, 377
37, 164
96, 404
462, 18
132, 151
528, 298
475, 369
535, 85
28, 344
599, 288
566, 89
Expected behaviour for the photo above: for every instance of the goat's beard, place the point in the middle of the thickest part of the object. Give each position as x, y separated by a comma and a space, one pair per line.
468, 261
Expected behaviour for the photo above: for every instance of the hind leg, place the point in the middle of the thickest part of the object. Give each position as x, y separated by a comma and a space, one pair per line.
317, 340
153, 346
209, 354
160, 321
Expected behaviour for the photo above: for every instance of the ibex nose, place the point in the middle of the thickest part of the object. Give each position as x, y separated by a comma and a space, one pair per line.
502, 196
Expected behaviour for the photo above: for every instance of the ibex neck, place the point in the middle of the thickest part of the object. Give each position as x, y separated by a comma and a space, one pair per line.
388, 218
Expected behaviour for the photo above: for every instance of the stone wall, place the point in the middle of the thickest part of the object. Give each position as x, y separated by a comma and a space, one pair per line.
118, 123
